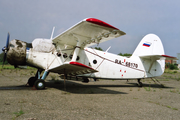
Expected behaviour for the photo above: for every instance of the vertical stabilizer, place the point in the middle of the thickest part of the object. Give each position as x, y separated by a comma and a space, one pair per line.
149, 45
150, 50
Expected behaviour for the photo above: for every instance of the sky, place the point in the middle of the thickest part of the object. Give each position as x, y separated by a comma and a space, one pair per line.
29, 19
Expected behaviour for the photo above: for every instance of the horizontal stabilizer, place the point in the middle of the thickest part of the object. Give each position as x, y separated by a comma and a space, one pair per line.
158, 57
73, 68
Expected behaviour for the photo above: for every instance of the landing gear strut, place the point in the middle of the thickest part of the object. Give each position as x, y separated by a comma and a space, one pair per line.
38, 81
140, 83
32, 80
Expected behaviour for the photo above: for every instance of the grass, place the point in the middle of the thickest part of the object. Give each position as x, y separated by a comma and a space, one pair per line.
171, 75
170, 71
175, 91
12, 67
147, 88
167, 106
17, 114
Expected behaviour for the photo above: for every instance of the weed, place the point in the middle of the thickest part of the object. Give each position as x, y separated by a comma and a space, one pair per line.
173, 91
170, 71
135, 98
165, 80
17, 114
171, 107
174, 108
157, 103
168, 106
147, 89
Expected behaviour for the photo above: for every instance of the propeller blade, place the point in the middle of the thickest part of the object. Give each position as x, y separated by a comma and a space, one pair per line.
7, 42
5, 49
4, 58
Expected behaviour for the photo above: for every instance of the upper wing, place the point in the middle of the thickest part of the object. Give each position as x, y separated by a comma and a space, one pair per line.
89, 31
73, 68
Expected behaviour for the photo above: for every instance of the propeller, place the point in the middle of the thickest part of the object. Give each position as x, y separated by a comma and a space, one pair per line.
5, 49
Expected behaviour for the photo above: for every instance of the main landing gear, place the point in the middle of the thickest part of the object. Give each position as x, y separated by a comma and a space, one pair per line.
85, 80
38, 81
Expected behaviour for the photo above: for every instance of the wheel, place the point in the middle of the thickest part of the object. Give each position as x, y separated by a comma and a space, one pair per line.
39, 84
85, 80
31, 81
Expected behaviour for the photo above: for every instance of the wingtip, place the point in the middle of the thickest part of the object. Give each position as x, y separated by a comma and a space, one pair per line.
100, 22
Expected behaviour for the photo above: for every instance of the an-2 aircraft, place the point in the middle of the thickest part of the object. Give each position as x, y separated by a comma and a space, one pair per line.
68, 54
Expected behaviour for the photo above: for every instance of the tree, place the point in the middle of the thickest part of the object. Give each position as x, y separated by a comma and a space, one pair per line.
99, 48
171, 66
125, 54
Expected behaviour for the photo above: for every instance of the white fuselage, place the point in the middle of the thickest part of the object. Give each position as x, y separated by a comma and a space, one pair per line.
108, 65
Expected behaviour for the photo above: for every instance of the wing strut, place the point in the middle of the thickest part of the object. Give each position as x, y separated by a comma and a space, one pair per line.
78, 45
76, 51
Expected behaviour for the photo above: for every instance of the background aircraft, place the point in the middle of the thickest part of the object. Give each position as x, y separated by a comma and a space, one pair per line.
68, 54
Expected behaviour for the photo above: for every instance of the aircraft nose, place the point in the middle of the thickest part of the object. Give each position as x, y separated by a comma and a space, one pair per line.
17, 52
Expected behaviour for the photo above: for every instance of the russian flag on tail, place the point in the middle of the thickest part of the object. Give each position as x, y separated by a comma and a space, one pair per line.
147, 44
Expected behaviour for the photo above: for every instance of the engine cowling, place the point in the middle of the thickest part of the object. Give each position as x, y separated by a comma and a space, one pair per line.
16, 54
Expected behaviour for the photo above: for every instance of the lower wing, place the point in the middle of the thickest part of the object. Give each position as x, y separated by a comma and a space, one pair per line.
73, 68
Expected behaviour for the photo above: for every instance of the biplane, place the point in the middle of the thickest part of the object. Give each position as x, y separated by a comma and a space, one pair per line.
70, 54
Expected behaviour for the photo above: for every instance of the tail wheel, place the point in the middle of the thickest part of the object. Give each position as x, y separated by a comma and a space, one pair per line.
31, 81
40, 84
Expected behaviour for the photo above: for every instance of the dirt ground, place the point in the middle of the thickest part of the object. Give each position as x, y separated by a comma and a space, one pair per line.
103, 99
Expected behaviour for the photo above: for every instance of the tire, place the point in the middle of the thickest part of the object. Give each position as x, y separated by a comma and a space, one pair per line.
39, 84
31, 81
85, 80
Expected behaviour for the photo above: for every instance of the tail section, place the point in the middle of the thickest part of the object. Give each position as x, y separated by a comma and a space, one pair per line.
151, 52
149, 45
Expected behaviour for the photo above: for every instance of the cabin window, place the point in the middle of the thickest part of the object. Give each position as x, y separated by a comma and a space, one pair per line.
94, 61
